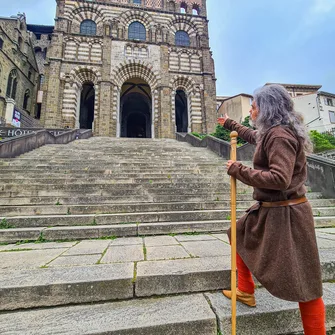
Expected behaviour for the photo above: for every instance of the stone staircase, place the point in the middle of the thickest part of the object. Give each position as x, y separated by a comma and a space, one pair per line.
125, 236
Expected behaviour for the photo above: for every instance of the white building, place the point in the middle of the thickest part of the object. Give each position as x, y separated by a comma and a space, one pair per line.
318, 110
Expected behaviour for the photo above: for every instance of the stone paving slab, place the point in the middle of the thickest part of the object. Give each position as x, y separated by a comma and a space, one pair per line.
28, 259
180, 315
59, 286
39, 246
88, 247
202, 237
166, 252
207, 248
75, 260
187, 275
160, 241
127, 241
127, 253
272, 316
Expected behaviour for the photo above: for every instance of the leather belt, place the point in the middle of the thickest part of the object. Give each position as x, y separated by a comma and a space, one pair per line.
284, 203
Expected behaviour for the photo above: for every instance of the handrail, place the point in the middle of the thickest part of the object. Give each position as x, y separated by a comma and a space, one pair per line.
14, 146
321, 170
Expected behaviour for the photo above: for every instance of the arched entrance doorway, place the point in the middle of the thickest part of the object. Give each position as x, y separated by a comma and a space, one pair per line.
135, 109
181, 112
87, 97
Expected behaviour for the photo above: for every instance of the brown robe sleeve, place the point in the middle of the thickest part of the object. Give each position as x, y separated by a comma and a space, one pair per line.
281, 153
246, 133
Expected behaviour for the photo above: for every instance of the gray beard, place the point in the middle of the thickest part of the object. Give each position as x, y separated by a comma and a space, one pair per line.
251, 123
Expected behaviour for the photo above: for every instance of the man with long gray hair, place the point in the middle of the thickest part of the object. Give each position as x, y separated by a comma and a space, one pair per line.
276, 239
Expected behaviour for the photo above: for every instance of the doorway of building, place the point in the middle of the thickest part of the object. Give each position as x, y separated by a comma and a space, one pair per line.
135, 109
181, 112
87, 97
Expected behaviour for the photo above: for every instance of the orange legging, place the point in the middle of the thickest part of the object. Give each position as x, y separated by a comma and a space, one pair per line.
312, 312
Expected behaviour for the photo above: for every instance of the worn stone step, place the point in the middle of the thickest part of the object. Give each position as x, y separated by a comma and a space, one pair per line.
123, 268
272, 316
12, 199
112, 179
125, 218
81, 232
182, 315
120, 218
324, 207
150, 186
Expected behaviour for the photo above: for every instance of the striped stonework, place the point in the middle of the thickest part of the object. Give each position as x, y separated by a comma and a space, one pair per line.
108, 59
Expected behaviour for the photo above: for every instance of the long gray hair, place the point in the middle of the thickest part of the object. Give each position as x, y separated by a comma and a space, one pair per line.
276, 107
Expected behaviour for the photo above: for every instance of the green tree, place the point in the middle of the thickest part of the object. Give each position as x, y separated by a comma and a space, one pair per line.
224, 134
320, 141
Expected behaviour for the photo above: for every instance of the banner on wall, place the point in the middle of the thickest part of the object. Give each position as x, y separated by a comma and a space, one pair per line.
16, 121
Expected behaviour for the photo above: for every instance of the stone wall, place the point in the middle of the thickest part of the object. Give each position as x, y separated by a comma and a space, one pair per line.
17, 54
108, 59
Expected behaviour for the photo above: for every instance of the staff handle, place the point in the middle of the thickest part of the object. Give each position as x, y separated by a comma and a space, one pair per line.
233, 142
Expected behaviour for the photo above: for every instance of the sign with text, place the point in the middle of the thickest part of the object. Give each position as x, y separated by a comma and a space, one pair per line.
12, 132
16, 121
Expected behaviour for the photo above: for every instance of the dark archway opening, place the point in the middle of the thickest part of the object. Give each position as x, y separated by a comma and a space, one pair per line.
181, 112
87, 106
135, 109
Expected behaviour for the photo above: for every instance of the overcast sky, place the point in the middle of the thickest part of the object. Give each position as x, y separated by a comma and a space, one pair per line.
253, 42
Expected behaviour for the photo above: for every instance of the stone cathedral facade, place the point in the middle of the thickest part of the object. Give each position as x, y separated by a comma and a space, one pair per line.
130, 68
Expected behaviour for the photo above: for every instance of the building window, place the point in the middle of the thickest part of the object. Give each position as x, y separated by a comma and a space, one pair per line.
137, 2
88, 27
182, 38
136, 31
195, 10
332, 116
20, 43
26, 99
12, 84
172, 6
183, 8
1, 43
329, 102
29, 75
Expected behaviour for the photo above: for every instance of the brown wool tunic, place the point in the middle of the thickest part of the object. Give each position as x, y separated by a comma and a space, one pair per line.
278, 244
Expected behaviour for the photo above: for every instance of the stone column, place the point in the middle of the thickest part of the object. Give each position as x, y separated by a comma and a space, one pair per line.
51, 109
10, 104
166, 125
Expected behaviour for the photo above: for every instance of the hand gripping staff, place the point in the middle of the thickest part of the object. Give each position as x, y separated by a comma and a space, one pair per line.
233, 143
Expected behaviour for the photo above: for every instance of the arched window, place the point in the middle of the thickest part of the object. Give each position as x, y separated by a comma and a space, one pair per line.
88, 27
172, 6
12, 84
136, 31
183, 8
195, 10
26, 100
182, 38
1, 43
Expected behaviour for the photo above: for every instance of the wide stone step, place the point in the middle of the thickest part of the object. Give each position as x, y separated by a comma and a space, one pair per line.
12, 199
9, 210
324, 207
118, 269
84, 186
112, 179
82, 232
272, 316
145, 217
184, 315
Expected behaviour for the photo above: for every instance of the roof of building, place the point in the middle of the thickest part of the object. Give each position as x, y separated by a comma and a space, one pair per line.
237, 95
316, 87
40, 29
8, 18
332, 95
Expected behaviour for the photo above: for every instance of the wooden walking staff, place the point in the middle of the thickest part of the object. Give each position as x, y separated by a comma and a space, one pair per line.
233, 142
